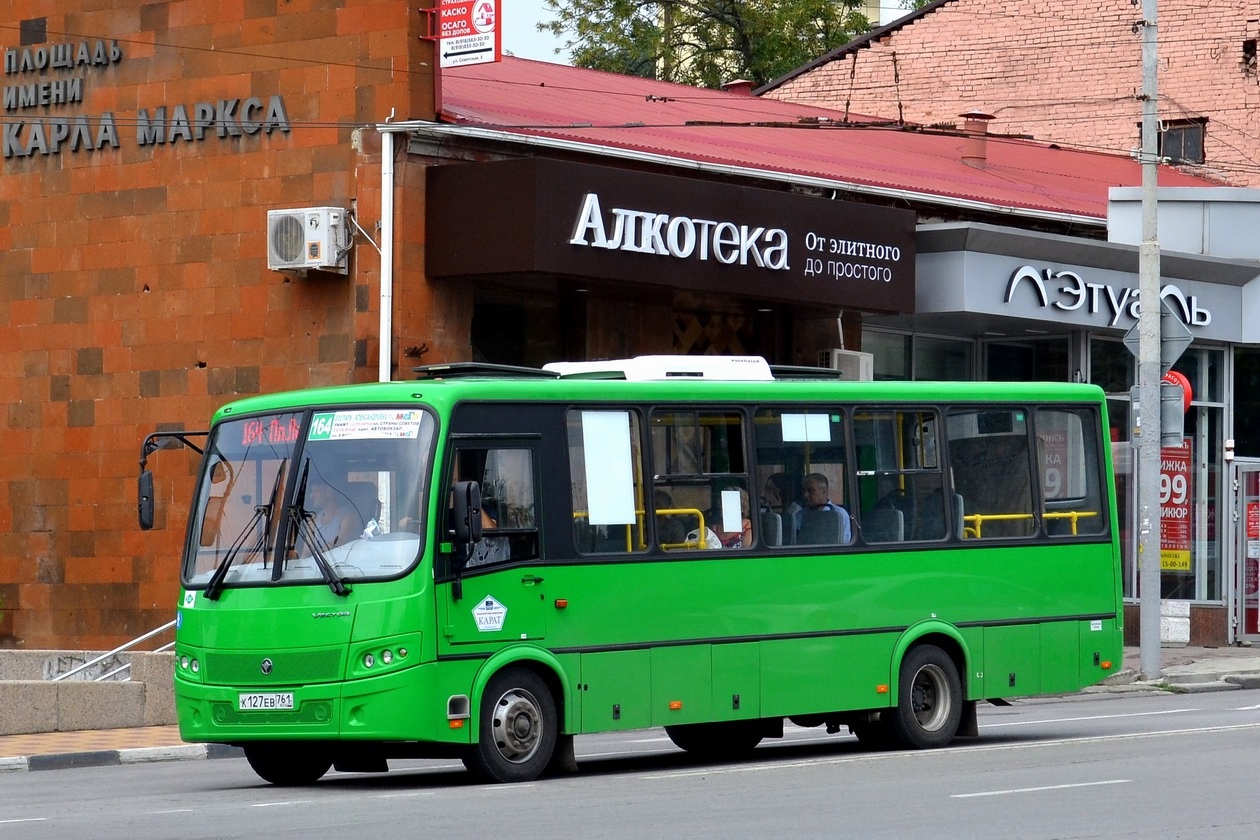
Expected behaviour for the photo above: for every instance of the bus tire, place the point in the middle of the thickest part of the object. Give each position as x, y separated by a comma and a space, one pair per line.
732, 739
288, 764
519, 727
929, 699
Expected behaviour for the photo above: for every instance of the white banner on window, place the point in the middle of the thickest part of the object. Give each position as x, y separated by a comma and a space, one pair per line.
732, 514
806, 428
609, 467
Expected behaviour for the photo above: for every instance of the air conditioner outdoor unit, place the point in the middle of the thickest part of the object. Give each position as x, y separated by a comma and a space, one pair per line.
308, 238
853, 365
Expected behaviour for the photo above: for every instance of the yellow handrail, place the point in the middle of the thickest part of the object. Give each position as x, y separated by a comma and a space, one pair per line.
640, 522
977, 520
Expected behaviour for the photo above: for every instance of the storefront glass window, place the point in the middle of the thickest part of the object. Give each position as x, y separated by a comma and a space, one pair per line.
901, 356
892, 354
942, 359
1111, 366
1191, 487
1044, 360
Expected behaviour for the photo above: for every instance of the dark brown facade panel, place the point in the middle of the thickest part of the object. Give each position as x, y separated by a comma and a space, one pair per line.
575, 220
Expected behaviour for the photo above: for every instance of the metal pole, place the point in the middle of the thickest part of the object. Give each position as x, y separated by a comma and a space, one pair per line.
385, 363
1149, 373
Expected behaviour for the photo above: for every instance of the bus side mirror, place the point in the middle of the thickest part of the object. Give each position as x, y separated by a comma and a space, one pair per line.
145, 508
467, 510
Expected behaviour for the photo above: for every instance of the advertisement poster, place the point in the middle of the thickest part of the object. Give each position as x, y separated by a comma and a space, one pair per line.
1251, 571
1174, 508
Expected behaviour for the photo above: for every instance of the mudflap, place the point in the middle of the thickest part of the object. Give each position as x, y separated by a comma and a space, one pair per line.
967, 725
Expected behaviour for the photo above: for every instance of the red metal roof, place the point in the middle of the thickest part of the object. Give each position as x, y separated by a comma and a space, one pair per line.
689, 126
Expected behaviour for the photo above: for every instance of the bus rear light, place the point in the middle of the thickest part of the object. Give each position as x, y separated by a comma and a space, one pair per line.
881, 689
675, 705
1106, 664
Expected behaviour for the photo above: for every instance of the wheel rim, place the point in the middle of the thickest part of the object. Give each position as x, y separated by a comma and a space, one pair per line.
518, 725
929, 697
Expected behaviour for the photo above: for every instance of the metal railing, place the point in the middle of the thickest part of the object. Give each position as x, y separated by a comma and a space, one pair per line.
121, 648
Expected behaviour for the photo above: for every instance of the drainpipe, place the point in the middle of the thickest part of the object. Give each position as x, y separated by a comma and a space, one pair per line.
975, 138
386, 337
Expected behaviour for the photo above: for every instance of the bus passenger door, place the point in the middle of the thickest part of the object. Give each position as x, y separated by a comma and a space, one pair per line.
500, 593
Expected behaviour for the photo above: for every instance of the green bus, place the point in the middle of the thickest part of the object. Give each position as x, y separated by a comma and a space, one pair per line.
488, 560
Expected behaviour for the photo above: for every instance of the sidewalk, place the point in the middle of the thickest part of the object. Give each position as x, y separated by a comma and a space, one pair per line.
1183, 669
102, 747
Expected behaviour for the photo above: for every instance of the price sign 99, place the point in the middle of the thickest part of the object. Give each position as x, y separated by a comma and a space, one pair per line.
1174, 489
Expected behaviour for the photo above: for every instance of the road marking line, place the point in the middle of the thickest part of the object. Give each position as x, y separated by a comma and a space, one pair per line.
1038, 789
274, 804
28, 819
770, 764
1088, 717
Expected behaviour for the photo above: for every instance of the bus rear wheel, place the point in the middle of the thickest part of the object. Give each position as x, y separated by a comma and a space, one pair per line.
519, 726
288, 764
929, 700
732, 739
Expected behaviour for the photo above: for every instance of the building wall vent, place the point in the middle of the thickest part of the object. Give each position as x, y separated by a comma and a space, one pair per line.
308, 238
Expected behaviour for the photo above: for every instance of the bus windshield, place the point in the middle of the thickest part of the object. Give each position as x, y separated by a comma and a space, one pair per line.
321, 496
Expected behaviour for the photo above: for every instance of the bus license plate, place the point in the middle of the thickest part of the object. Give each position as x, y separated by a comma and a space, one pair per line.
251, 702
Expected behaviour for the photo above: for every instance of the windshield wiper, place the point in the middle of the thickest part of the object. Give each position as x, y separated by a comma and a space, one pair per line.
262, 513
304, 521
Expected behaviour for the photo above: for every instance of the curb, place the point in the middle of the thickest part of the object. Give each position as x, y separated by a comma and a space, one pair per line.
113, 758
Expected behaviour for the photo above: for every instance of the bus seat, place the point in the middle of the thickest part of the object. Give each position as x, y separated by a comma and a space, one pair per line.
882, 525
771, 528
365, 500
820, 527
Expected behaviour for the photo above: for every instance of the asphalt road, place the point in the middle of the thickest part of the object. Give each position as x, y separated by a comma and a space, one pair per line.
1114, 766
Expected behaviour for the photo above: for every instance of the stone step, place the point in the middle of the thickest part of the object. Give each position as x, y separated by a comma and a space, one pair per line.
30, 702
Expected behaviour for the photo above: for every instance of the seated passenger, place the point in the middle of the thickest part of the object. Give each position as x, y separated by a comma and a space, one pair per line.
670, 528
779, 509
817, 492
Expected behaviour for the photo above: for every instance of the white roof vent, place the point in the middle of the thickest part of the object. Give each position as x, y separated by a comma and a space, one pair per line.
308, 238
646, 368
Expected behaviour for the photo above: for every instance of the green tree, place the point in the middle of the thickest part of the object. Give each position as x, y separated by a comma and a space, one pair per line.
703, 42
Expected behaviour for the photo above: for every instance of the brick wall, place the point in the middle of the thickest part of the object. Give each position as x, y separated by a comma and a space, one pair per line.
134, 292
1065, 71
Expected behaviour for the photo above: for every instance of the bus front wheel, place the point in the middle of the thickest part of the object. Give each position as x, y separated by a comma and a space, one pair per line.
288, 764
929, 700
518, 725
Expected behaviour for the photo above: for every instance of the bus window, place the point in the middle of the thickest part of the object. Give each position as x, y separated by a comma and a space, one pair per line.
508, 510
606, 477
699, 471
1067, 446
900, 480
989, 459
802, 473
